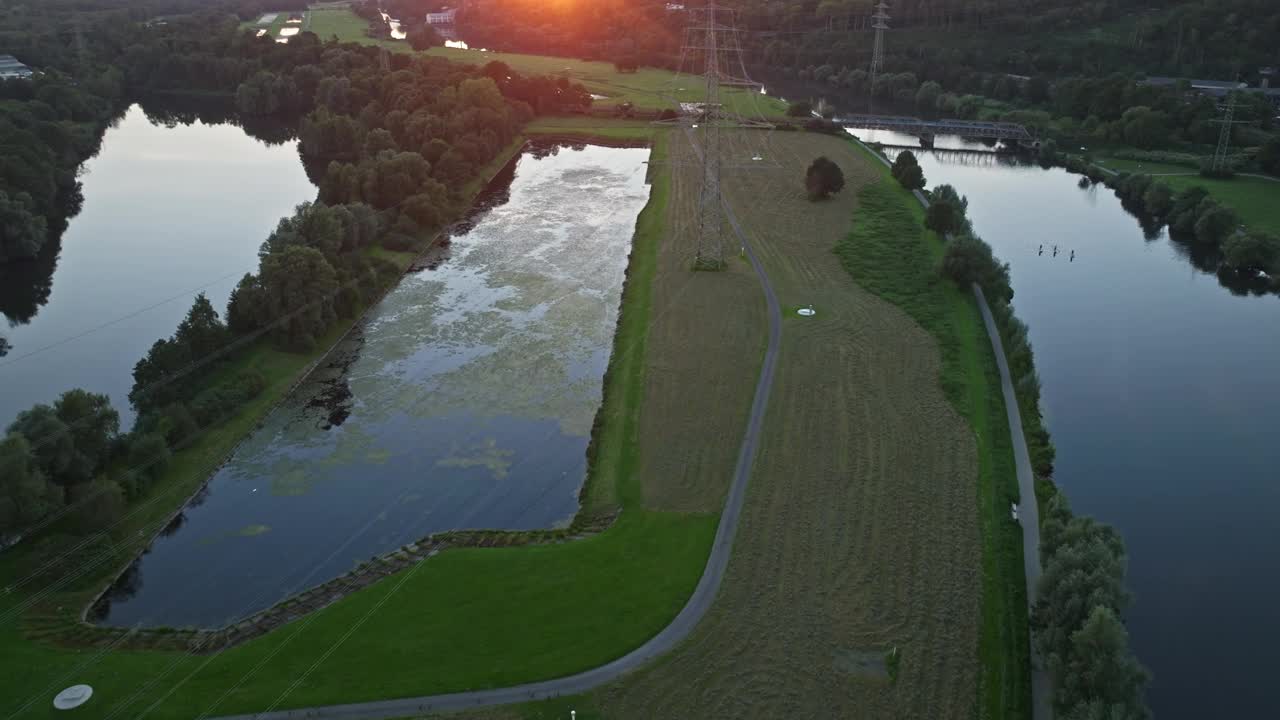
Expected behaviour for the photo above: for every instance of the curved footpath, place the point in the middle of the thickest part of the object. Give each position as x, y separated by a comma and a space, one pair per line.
670, 636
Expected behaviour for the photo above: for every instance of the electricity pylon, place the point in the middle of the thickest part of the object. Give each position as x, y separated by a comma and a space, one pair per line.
881, 18
712, 38
1224, 136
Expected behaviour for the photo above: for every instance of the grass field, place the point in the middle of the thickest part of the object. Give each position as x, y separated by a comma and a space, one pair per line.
1141, 166
1255, 200
859, 532
464, 619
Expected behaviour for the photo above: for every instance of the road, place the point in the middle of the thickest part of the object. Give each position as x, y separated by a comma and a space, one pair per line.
666, 640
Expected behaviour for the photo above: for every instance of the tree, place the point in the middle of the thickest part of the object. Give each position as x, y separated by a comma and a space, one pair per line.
1158, 200
202, 332
298, 289
1269, 156
148, 457
1186, 204
928, 94
906, 170
49, 440
968, 260
946, 213
93, 425
803, 108
423, 36
25, 495
1144, 127
1102, 670
1252, 251
173, 366
1215, 223
98, 504
378, 140
22, 231
823, 178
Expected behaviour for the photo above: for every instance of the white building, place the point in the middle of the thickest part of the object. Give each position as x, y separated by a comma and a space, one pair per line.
11, 68
444, 17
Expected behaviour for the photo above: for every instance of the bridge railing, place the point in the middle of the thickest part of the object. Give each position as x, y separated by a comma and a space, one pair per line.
948, 126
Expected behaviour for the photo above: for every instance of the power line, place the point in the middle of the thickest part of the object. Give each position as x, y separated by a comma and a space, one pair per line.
712, 38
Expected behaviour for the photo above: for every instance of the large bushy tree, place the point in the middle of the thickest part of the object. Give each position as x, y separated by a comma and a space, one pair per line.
947, 211
823, 178
906, 170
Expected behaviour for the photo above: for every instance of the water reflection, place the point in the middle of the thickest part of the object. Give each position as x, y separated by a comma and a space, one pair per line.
465, 400
176, 202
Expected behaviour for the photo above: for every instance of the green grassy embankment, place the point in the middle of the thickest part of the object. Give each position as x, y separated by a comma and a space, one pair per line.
591, 128
467, 618
891, 254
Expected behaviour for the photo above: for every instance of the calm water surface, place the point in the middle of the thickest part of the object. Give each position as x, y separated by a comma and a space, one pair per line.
465, 401
1161, 390
168, 212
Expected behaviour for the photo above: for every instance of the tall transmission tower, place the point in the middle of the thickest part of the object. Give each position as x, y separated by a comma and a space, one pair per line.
1224, 135
712, 38
881, 18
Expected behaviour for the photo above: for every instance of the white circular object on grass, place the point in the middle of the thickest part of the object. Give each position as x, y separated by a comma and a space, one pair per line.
806, 312
73, 697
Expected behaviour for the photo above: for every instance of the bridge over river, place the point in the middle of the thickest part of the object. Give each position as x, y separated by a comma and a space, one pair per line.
927, 129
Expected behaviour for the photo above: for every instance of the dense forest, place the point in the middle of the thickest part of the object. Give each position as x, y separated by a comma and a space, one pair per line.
1027, 37
392, 142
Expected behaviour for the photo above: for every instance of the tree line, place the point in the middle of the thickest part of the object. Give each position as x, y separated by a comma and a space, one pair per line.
1244, 258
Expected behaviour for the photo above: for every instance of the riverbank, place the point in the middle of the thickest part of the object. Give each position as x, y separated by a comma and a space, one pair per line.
904, 273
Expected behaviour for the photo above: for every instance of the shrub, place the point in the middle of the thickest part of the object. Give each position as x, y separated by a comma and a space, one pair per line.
823, 178
800, 109
906, 170
1207, 170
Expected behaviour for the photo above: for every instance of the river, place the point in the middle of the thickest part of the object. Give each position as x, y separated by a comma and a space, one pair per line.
1161, 393
464, 400
170, 210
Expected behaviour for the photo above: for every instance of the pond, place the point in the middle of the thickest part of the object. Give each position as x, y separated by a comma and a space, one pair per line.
170, 210
1161, 392
465, 399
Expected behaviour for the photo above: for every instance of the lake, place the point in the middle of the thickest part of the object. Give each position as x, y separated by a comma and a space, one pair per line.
1161, 393
169, 212
465, 399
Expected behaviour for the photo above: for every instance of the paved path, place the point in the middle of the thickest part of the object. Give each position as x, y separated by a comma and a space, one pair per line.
670, 636
1028, 511
1042, 708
